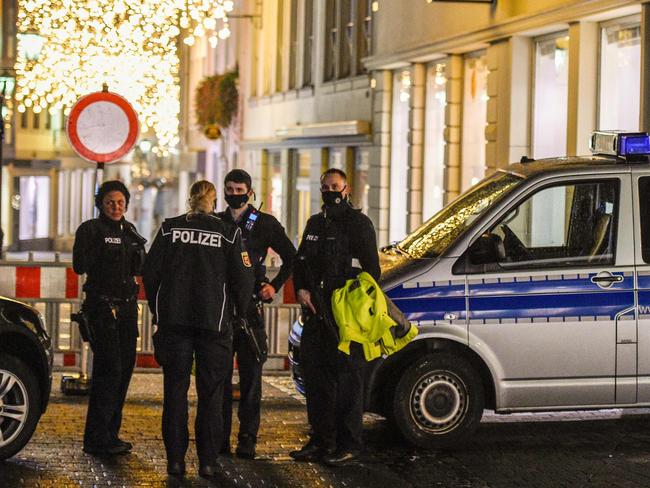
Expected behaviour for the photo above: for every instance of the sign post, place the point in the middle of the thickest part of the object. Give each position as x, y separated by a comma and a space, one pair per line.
102, 128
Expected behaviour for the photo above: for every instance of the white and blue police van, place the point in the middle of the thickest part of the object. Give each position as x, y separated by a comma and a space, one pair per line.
531, 292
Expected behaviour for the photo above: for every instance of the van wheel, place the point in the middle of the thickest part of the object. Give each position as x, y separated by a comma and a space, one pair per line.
438, 401
19, 405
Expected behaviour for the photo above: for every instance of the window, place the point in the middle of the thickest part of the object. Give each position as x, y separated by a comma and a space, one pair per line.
620, 77
644, 204
551, 96
308, 43
347, 37
293, 44
563, 225
37, 120
346, 28
279, 48
364, 37
435, 236
434, 139
331, 40
475, 99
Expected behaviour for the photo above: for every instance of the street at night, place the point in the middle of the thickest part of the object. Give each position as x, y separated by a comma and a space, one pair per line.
597, 449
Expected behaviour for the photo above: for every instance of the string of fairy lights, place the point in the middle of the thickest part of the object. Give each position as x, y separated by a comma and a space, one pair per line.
131, 45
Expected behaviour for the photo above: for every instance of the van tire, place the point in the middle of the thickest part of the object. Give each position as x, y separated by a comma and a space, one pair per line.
22, 397
439, 401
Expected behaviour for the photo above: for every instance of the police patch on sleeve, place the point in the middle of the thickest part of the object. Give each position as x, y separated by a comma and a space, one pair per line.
246, 259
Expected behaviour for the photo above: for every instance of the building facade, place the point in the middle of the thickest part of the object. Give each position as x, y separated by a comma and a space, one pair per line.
421, 99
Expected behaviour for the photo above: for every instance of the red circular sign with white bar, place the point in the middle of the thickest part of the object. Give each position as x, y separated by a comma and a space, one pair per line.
102, 127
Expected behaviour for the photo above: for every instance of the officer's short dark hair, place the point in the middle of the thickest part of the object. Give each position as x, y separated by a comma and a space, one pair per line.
335, 171
239, 176
109, 186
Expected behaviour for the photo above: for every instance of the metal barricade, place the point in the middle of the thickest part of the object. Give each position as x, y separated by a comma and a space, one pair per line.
28, 275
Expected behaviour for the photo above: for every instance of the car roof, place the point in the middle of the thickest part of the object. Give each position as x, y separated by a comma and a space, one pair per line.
572, 165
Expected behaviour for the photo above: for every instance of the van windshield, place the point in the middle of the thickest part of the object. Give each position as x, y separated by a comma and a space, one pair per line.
433, 237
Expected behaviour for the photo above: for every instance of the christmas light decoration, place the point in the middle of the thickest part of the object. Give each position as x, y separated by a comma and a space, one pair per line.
128, 44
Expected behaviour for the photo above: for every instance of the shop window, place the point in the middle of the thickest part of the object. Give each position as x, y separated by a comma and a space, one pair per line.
475, 99
434, 140
551, 96
301, 207
276, 185
620, 77
399, 154
34, 211
360, 185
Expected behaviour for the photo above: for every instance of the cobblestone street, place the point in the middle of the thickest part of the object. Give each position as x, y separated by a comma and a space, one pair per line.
604, 448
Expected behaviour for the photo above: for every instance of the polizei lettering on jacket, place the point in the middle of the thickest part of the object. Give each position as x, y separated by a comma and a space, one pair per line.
202, 238
112, 240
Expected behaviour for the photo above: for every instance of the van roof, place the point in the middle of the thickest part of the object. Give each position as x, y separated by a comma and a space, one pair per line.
571, 164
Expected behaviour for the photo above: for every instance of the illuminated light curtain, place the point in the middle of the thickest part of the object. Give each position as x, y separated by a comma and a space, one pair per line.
128, 44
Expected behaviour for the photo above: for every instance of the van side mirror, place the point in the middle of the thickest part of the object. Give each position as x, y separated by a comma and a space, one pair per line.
487, 249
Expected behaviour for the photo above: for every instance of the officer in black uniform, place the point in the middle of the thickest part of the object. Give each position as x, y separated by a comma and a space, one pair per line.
110, 251
337, 244
196, 270
260, 231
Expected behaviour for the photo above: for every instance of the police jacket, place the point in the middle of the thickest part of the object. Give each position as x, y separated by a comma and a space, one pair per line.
111, 255
261, 231
334, 249
196, 270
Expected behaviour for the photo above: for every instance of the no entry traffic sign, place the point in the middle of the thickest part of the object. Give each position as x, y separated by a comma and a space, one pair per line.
102, 127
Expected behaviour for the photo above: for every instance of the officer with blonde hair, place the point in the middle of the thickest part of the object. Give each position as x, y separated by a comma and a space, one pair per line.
194, 273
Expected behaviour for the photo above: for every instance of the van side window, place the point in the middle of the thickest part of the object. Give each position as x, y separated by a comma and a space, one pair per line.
644, 207
558, 226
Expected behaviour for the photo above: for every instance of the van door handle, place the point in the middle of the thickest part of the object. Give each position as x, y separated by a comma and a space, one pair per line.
605, 278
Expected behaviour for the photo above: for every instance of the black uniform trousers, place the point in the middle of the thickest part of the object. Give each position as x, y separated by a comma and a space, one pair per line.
113, 362
334, 386
175, 350
250, 384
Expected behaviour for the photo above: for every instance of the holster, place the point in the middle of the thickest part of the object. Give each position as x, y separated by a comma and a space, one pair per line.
86, 329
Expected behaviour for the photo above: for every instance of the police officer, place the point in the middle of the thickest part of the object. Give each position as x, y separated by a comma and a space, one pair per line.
195, 271
110, 251
337, 244
260, 231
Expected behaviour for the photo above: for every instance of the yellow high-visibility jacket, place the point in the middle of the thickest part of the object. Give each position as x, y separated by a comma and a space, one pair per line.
361, 313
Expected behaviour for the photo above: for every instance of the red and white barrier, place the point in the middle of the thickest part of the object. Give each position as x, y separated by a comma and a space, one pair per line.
45, 282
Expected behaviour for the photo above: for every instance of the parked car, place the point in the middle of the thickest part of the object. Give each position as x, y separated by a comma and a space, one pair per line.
531, 292
25, 374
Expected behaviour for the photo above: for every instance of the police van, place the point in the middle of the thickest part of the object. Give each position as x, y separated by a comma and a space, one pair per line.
531, 292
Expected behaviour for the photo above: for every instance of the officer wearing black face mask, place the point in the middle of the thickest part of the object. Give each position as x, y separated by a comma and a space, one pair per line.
110, 252
260, 231
337, 244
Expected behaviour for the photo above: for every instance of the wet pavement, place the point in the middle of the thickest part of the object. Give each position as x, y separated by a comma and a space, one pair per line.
608, 448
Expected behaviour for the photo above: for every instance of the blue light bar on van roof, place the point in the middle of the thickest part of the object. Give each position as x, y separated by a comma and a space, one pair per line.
622, 144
